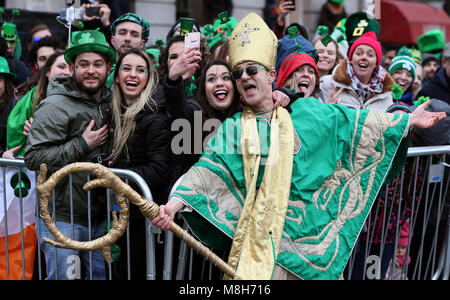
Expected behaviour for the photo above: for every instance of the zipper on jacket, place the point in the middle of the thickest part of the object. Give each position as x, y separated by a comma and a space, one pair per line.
101, 114
127, 153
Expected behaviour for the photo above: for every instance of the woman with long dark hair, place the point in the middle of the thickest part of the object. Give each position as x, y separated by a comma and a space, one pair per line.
7, 101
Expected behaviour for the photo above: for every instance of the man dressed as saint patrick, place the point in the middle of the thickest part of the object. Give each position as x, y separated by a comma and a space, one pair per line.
288, 193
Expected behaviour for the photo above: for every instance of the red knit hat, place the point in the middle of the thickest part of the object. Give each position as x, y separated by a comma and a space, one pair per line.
369, 39
291, 63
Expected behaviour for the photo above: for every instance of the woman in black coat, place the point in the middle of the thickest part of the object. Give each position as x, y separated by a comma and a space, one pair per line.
141, 144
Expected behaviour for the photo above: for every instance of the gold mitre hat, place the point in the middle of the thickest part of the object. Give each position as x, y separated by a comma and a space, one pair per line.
252, 40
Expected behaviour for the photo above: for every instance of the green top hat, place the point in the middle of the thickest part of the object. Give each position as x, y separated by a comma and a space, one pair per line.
359, 23
337, 1
89, 41
431, 41
186, 25
4, 68
9, 32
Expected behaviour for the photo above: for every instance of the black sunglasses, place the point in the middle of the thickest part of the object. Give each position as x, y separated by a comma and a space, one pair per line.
250, 70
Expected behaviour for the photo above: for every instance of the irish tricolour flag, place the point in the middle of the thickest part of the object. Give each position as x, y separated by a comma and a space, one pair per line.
18, 239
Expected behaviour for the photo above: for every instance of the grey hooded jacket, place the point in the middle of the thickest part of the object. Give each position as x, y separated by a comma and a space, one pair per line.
55, 138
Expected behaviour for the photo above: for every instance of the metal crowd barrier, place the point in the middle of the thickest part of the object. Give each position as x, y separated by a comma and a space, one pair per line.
150, 230
431, 256
425, 177
420, 196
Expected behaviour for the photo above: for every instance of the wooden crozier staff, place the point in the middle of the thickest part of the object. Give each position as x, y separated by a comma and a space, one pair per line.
106, 178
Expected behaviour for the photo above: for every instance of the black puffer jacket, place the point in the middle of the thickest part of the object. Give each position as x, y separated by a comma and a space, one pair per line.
147, 151
181, 108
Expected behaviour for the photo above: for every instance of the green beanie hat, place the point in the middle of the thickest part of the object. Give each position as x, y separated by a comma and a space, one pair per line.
130, 17
403, 60
155, 52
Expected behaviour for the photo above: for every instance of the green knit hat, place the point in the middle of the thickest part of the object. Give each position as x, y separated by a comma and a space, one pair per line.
359, 23
4, 68
89, 41
130, 17
432, 41
403, 60
155, 52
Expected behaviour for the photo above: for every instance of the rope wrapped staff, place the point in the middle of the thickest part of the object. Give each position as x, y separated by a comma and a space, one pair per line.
106, 178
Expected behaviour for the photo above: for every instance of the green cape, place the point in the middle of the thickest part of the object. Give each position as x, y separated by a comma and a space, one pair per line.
341, 159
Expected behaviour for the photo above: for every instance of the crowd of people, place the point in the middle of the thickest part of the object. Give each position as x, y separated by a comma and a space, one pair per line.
165, 110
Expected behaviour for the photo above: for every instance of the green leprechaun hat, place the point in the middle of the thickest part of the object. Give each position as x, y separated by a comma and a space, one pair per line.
359, 23
9, 32
89, 41
4, 68
432, 41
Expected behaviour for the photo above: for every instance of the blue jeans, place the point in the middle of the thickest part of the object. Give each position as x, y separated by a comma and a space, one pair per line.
65, 264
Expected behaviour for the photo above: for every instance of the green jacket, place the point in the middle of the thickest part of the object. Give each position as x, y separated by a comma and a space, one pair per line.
55, 138
16, 122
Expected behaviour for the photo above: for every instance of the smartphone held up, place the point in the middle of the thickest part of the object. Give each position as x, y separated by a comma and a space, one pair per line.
192, 40
292, 2
93, 11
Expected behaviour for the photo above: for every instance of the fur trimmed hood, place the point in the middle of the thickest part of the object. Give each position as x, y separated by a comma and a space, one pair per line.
340, 75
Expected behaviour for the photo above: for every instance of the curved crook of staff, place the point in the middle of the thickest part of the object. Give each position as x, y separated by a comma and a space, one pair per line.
106, 178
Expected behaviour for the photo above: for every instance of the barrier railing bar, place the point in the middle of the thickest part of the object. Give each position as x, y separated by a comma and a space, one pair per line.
441, 268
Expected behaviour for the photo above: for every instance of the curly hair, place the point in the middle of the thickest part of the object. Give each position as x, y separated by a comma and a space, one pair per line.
53, 42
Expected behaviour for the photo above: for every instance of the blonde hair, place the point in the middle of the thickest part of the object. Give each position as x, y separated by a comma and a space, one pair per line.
125, 122
291, 84
338, 54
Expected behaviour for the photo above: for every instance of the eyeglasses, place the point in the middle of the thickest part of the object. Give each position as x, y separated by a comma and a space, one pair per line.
250, 70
